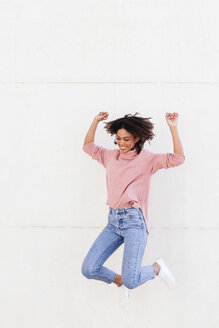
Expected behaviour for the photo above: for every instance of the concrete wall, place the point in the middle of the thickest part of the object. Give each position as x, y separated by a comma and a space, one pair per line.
61, 62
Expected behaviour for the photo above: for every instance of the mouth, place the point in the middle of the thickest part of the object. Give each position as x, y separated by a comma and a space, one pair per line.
123, 148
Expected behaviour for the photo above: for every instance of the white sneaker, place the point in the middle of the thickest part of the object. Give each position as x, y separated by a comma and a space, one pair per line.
124, 295
165, 274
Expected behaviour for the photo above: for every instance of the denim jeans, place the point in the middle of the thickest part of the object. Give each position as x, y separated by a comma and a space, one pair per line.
125, 225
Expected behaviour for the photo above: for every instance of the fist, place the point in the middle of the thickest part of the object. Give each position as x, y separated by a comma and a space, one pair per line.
172, 119
101, 116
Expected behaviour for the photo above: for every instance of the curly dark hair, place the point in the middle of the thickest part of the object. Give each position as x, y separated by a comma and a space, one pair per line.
138, 126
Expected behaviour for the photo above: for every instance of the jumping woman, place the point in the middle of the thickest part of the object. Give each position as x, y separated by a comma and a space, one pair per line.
128, 173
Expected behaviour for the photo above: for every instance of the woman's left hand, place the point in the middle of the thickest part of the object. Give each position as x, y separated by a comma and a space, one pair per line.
172, 119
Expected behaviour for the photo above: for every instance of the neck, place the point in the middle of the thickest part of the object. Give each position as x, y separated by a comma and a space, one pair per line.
129, 155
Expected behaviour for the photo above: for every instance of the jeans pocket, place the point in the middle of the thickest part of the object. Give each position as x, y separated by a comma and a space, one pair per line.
135, 212
111, 220
133, 220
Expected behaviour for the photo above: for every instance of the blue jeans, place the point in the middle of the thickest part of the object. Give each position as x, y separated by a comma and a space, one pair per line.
125, 225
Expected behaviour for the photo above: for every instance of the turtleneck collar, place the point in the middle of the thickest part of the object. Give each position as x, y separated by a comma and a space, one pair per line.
129, 155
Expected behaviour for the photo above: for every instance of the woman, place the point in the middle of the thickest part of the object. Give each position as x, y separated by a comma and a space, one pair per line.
128, 173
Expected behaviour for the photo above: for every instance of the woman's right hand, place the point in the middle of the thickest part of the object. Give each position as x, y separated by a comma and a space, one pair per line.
101, 116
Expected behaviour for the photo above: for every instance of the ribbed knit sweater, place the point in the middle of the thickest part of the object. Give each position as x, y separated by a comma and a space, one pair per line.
128, 174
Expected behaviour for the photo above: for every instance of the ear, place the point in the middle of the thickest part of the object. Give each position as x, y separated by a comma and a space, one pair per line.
137, 139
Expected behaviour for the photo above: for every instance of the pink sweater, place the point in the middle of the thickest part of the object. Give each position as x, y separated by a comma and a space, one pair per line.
128, 174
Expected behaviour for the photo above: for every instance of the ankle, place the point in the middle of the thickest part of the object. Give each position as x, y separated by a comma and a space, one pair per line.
156, 267
118, 280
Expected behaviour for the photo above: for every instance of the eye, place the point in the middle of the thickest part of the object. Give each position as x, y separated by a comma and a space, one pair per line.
124, 139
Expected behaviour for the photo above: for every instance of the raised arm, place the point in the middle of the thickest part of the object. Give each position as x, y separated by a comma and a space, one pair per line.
167, 160
172, 120
92, 129
101, 154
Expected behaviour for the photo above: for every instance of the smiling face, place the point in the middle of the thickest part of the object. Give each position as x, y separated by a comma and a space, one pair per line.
125, 140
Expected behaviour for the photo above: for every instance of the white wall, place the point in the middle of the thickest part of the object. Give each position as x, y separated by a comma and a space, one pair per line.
61, 62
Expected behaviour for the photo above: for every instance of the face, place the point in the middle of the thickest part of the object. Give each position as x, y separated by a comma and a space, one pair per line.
125, 140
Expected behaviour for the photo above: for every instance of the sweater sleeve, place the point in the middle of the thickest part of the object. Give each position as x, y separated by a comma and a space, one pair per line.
100, 154
165, 160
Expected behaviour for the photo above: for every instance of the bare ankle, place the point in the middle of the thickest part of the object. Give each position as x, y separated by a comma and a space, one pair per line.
156, 267
118, 280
